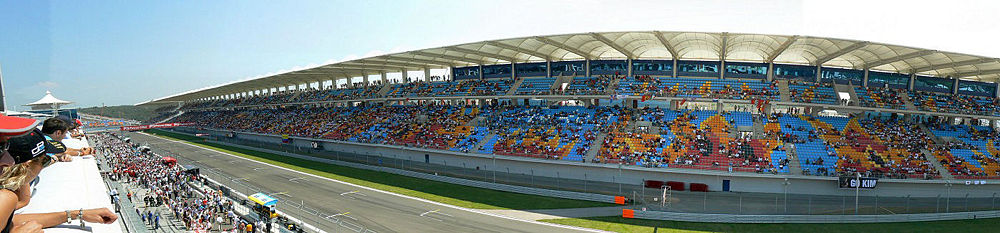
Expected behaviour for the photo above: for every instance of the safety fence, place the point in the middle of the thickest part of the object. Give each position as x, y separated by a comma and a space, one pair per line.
731, 218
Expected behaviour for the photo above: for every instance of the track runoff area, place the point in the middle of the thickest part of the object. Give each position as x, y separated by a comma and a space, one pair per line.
375, 210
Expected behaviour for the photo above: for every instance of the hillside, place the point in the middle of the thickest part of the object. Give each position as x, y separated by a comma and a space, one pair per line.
140, 113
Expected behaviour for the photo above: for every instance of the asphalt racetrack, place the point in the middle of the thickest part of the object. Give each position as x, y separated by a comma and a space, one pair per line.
376, 211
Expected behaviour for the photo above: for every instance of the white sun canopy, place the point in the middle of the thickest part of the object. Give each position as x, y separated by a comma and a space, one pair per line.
661, 45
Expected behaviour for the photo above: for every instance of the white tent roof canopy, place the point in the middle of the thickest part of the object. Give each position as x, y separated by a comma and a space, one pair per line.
48, 100
660, 45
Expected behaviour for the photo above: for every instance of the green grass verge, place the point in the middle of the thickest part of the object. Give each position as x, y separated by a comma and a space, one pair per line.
464, 196
618, 224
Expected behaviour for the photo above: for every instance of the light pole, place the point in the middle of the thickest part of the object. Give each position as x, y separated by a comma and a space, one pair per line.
786, 195
619, 177
494, 168
993, 200
947, 200
857, 192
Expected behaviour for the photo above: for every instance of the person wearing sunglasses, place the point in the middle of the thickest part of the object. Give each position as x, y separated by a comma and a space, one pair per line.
21, 143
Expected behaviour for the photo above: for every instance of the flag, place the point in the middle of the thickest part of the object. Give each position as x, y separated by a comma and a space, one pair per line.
285, 138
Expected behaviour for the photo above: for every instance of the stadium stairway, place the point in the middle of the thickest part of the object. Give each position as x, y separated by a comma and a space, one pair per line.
908, 103
558, 84
612, 86
758, 128
486, 139
598, 142
793, 160
850, 91
937, 140
784, 91
171, 117
513, 87
937, 164
386, 88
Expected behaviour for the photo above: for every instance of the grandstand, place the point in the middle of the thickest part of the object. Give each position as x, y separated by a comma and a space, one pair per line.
783, 106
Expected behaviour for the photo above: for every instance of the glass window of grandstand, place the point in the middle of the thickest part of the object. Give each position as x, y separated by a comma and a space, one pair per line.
698, 68
888, 80
568, 68
795, 72
842, 76
599, 67
746, 70
653, 67
531, 69
496, 71
932, 84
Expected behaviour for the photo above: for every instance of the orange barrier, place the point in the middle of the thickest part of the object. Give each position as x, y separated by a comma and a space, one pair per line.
619, 200
627, 213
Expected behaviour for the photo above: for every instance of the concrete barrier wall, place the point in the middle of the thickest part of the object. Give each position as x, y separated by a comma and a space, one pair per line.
731, 218
633, 175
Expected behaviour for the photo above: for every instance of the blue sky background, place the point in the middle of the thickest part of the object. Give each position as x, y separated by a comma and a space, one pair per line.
125, 52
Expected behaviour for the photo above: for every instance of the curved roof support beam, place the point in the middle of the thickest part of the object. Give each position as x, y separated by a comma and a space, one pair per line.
519, 49
975, 73
953, 64
483, 54
841, 52
619, 48
663, 40
369, 67
564, 47
781, 49
723, 48
449, 57
869, 65
421, 61
401, 65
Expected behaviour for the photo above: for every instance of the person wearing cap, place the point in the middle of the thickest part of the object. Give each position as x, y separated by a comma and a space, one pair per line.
12, 127
55, 131
30, 148
17, 177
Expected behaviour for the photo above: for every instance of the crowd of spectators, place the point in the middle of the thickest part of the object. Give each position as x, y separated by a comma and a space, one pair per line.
960, 104
880, 97
811, 92
589, 85
164, 184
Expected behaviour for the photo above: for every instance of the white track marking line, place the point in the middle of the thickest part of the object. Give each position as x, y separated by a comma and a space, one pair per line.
428, 212
355, 191
295, 180
387, 192
257, 169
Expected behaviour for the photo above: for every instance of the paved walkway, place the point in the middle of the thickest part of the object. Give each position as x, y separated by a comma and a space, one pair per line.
536, 215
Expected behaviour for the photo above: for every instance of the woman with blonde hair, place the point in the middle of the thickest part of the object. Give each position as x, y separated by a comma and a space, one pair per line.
23, 157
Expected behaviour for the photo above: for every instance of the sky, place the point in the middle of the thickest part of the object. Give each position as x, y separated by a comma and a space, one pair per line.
124, 52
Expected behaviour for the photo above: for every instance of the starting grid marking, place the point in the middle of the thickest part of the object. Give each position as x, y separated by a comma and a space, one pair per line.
431, 214
355, 192
344, 214
294, 180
